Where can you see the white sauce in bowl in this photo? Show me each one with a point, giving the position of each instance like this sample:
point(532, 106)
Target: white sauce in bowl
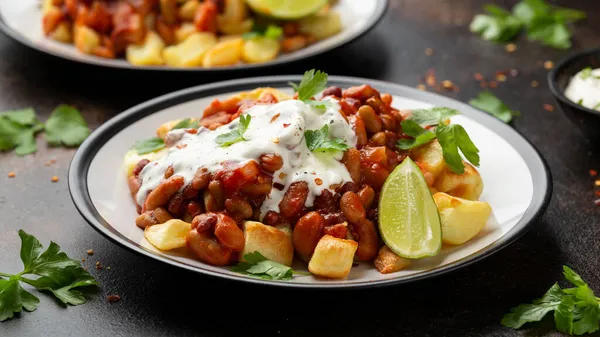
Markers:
point(266, 133)
point(584, 88)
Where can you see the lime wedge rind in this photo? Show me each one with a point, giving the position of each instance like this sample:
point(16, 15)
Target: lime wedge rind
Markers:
point(409, 221)
point(286, 9)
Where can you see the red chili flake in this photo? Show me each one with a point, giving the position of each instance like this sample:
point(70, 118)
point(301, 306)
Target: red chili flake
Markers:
point(50, 162)
point(501, 77)
point(534, 84)
point(11, 174)
point(285, 125)
point(548, 65)
point(597, 193)
point(428, 51)
point(274, 118)
point(493, 84)
point(430, 78)
point(113, 298)
point(511, 47)
point(90, 252)
point(548, 107)
point(478, 76)
point(98, 265)
point(597, 183)
point(181, 146)
point(597, 202)
point(54, 179)
point(318, 181)
point(448, 85)
point(421, 87)
point(593, 173)
point(191, 131)
point(282, 175)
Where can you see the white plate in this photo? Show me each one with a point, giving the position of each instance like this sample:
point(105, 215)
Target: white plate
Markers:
point(22, 20)
point(517, 182)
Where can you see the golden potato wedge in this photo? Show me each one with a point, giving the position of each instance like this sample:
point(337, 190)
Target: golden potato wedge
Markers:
point(321, 26)
point(430, 159)
point(86, 39)
point(62, 33)
point(48, 5)
point(273, 243)
point(169, 235)
point(388, 262)
point(260, 49)
point(184, 31)
point(259, 92)
point(224, 53)
point(148, 53)
point(234, 11)
point(190, 52)
point(234, 27)
point(333, 257)
point(468, 185)
point(187, 11)
point(131, 159)
point(461, 219)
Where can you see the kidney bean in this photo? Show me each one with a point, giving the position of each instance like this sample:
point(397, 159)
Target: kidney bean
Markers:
point(140, 166)
point(352, 207)
point(351, 160)
point(333, 91)
point(201, 179)
point(326, 202)
point(210, 203)
point(307, 233)
point(239, 207)
point(388, 122)
point(272, 218)
point(176, 204)
point(161, 215)
point(134, 186)
point(359, 129)
point(229, 234)
point(366, 195)
point(333, 218)
point(194, 208)
point(271, 162)
point(293, 200)
point(368, 243)
point(207, 249)
point(169, 172)
point(378, 139)
point(370, 118)
point(387, 99)
point(145, 220)
point(339, 231)
point(361, 93)
point(163, 192)
point(205, 222)
point(215, 187)
point(377, 104)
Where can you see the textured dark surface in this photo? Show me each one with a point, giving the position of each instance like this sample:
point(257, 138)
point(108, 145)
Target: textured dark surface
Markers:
point(159, 300)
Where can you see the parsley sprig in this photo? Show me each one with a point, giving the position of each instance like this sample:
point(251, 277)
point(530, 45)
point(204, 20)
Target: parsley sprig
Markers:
point(576, 309)
point(236, 135)
point(491, 104)
point(312, 83)
point(319, 141)
point(57, 274)
point(154, 143)
point(259, 266)
point(543, 22)
point(273, 32)
point(453, 138)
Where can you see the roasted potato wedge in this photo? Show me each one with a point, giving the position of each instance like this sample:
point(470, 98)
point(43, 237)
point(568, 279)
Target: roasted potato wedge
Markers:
point(234, 27)
point(461, 219)
point(333, 257)
point(168, 235)
point(260, 50)
point(86, 39)
point(184, 31)
point(148, 53)
point(273, 243)
point(187, 11)
point(389, 262)
point(430, 159)
point(224, 53)
point(62, 33)
point(190, 52)
point(468, 185)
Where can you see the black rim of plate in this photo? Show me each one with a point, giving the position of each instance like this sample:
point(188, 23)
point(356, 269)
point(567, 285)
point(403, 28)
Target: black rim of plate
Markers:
point(380, 10)
point(78, 171)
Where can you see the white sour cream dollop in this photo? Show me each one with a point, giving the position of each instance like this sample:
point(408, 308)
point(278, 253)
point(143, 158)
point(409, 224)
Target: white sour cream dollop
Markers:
point(276, 128)
point(584, 88)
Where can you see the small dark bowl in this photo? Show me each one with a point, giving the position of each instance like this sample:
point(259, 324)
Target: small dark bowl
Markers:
point(587, 120)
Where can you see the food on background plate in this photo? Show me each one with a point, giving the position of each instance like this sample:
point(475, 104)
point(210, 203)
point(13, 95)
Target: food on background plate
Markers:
point(584, 88)
point(189, 33)
point(330, 176)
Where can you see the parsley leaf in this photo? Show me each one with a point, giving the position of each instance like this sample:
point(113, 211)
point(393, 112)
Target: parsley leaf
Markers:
point(491, 104)
point(576, 310)
point(56, 272)
point(312, 83)
point(273, 32)
point(319, 141)
point(149, 145)
point(419, 134)
point(66, 126)
point(259, 266)
point(498, 25)
point(433, 116)
point(187, 123)
point(235, 136)
point(585, 73)
point(452, 138)
point(17, 131)
point(23, 117)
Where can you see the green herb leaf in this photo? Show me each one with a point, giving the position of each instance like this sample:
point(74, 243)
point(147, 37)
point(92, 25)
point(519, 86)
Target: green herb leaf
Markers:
point(313, 82)
point(17, 131)
point(187, 123)
point(149, 145)
point(588, 323)
point(250, 35)
point(66, 126)
point(419, 134)
point(237, 135)
point(259, 266)
point(273, 32)
point(535, 312)
point(573, 277)
point(13, 299)
point(585, 73)
point(56, 273)
point(433, 116)
point(498, 25)
point(452, 138)
point(319, 141)
point(23, 116)
point(563, 315)
point(491, 104)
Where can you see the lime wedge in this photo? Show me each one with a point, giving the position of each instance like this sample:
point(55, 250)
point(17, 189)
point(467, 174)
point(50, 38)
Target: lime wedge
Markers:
point(409, 221)
point(286, 9)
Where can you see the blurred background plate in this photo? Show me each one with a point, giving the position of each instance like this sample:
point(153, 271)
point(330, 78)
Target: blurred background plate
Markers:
point(22, 21)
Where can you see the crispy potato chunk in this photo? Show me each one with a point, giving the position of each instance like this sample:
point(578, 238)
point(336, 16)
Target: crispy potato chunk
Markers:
point(190, 53)
point(461, 219)
point(184, 31)
point(388, 262)
point(131, 159)
point(86, 39)
point(430, 159)
point(333, 257)
point(273, 243)
point(62, 33)
point(260, 50)
point(224, 53)
point(321, 26)
point(468, 185)
point(234, 27)
point(169, 235)
point(187, 11)
point(147, 54)
point(48, 5)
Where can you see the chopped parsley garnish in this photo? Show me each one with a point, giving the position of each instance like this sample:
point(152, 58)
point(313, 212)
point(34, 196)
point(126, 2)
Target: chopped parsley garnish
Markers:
point(187, 123)
point(319, 141)
point(237, 135)
point(273, 32)
point(576, 309)
point(57, 275)
point(149, 145)
point(497, 25)
point(312, 83)
point(586, 73)
point(491, 104)
point(259, 266)
point(452, 137)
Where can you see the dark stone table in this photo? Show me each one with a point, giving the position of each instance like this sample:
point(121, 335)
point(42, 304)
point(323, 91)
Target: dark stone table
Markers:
point(160, 300)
